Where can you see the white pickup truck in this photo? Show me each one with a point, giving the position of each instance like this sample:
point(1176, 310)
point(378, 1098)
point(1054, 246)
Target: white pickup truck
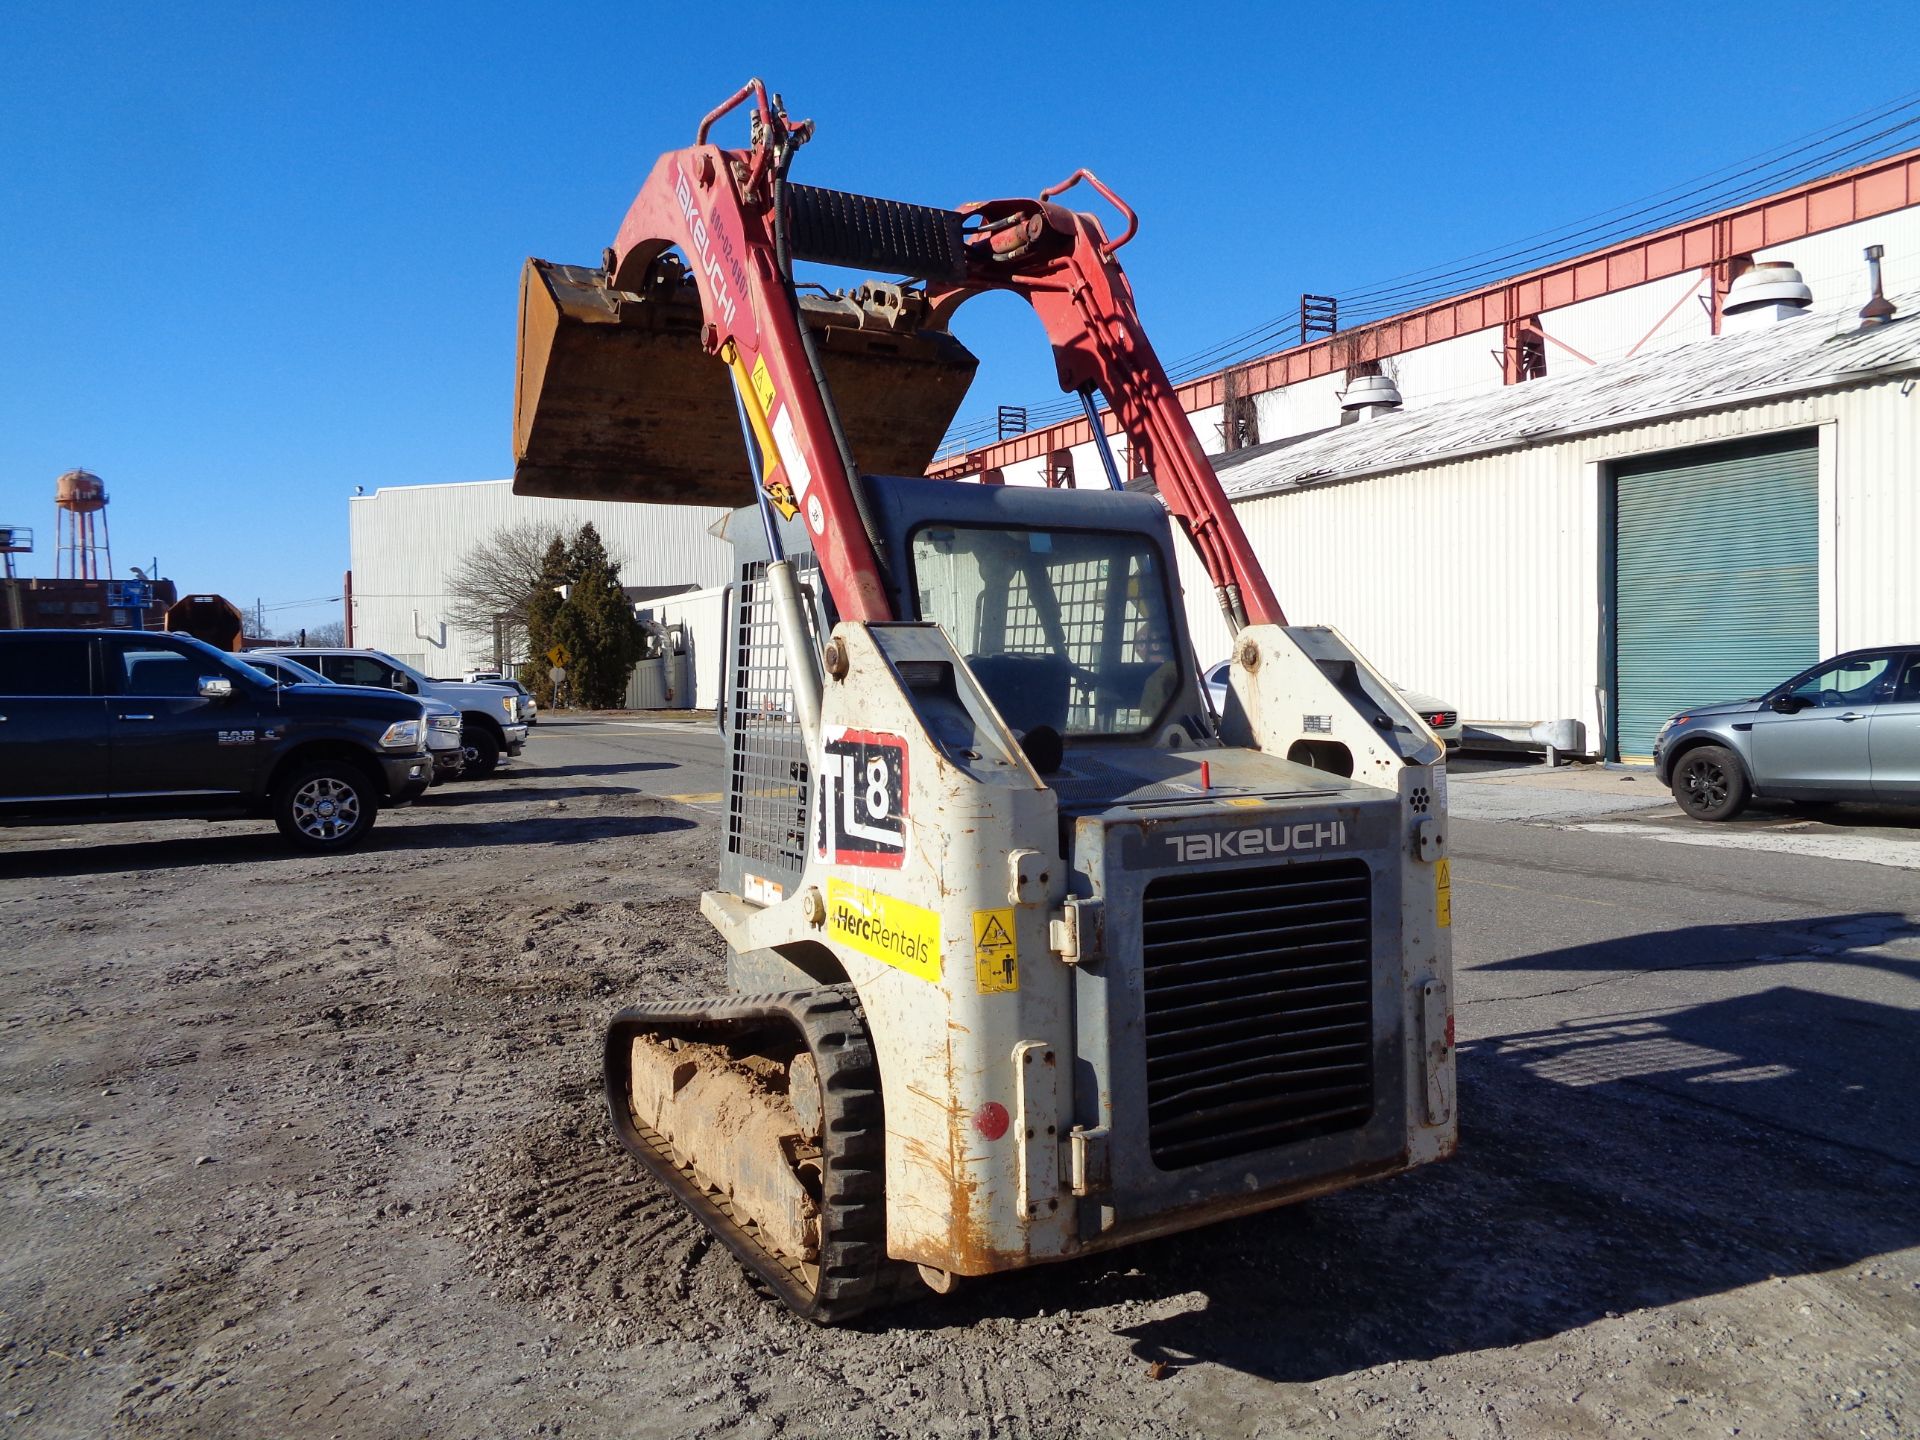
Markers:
point(510, 682)
point(493, 721)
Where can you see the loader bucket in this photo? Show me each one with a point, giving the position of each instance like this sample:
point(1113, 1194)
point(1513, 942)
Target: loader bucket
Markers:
point(616, 399)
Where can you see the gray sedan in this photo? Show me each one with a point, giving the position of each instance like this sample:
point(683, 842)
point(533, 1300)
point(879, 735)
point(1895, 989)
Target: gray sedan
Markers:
point(1848, 729)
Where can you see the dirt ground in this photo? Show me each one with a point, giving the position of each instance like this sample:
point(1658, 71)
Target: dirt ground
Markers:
point(316, 1147)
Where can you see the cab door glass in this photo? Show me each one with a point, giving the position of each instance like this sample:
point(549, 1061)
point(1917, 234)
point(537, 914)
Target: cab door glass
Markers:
point(1065, 628)
point(1906, 690)
point(159, 673)
point(44, 667)
point(357, 670)
point(1859, 681)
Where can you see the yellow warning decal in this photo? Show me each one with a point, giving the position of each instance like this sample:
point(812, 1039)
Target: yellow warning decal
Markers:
point(996, 961)
point(889, 929)
point(763, 384)
point(1443, 892)
point(1245, 802)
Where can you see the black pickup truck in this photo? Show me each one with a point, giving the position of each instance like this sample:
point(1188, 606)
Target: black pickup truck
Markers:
point(119, 725)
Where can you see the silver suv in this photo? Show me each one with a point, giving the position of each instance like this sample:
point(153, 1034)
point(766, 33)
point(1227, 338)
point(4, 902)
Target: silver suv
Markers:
point(1848, 729)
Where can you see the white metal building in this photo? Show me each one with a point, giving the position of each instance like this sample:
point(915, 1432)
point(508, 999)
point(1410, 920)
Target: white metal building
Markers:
point(1614, 543)
point(1603, 494)
point(405, 541)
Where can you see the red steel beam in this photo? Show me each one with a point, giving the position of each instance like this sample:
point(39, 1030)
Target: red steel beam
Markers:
point(1825, 204)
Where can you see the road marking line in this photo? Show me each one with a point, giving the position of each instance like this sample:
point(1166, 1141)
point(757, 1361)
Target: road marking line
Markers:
point(1898, 854)
point(705, 797)
point(693, 726)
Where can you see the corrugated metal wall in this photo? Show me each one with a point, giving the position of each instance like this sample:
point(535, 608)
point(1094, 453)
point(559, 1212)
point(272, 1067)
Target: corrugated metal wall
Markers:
point(405, 541)
point(1479, 581)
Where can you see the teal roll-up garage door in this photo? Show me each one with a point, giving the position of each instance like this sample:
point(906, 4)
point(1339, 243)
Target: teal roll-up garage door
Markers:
point(1716, 559)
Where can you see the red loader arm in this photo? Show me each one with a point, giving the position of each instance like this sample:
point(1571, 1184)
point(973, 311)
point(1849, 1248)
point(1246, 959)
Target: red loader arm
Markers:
point(740, 225)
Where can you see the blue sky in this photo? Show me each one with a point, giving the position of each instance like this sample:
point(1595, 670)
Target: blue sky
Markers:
point(257, 255)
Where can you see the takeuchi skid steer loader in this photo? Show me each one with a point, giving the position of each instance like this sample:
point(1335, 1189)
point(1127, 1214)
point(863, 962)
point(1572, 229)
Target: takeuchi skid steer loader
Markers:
point(1033, 956)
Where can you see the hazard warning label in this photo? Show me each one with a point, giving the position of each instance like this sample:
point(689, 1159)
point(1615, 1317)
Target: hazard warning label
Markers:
point(995, 962)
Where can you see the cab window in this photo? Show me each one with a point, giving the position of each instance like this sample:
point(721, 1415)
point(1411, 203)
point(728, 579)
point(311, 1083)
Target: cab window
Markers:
point(1066, 628)
point(1907, 689)
point(136, 668)
point(44, 666)
point(1858, 681)
point(357, 670)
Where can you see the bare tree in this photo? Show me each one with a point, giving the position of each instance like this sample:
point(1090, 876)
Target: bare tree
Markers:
point(490, 587)
point(332, 633)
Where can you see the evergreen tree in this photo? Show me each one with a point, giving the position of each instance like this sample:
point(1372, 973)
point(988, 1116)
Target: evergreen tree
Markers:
point(543, 606)
point(596, 625)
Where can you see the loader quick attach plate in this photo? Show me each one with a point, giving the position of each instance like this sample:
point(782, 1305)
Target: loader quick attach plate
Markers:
point(852, 1272)
point(617, 399)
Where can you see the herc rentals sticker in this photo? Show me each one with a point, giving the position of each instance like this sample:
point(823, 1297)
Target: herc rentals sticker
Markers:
point(889, 929)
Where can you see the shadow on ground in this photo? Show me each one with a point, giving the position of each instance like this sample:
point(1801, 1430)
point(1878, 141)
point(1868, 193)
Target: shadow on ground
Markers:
point(486, 792)
point(623, 767)
point(260, 843)
point(1638, 1161)
point(1772, 814)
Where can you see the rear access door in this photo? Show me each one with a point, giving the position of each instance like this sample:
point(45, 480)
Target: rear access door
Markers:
point(53, 723)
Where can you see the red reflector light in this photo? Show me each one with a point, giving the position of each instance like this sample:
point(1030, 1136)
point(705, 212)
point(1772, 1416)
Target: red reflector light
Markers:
point(1449, 1030)
point(991, 1119)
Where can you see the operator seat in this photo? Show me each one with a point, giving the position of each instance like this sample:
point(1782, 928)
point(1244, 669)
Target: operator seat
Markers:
point(1028, 690)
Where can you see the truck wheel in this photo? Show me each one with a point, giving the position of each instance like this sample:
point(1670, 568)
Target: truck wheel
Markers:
point(325, 806)
point(482, 752)
point(1709, 783)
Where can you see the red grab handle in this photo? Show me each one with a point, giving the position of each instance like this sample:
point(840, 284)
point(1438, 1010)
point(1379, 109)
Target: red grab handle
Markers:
point(1133, 221)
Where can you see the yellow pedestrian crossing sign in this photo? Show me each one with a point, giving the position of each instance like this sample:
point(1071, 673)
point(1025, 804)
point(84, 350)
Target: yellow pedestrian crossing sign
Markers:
point(559, 656)
point(996, 961)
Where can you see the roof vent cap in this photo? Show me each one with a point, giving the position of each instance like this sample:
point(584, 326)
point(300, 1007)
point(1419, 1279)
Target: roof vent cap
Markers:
point(1371, 395)
point(1772, 290)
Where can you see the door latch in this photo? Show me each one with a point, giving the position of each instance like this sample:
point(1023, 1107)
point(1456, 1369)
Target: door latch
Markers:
point(1074, 934)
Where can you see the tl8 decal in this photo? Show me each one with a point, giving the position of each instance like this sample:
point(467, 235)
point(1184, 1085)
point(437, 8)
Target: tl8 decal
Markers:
point(860, 804)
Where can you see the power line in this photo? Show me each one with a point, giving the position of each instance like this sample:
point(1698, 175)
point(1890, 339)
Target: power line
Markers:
point(1650, 218)
point(1681, 192)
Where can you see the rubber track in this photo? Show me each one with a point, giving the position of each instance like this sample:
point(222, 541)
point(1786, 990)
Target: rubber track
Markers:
point(854, 1273)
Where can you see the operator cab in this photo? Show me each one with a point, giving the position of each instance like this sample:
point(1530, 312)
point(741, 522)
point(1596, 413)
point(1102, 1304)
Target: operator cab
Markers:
point(1063, 604)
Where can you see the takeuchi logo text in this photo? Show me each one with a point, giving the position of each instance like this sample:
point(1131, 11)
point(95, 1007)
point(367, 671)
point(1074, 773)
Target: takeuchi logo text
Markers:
point(709, 263)
point(1259, 840)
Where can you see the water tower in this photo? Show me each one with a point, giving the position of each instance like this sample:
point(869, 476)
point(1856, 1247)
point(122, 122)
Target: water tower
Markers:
point(80, 495)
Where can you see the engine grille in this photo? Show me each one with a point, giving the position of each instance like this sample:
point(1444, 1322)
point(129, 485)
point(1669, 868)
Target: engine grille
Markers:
point(1443, 719)
point(1259, 1008)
